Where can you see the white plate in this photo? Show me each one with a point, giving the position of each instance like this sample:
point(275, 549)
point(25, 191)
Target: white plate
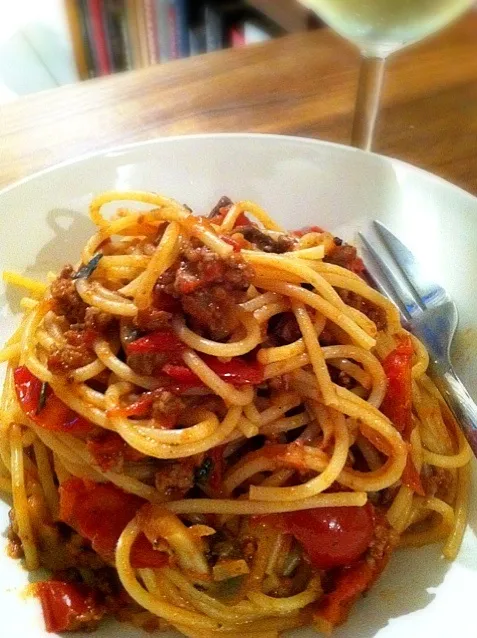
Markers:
point(300, 182)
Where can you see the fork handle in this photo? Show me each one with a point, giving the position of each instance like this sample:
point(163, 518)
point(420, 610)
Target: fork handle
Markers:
point(460, 403)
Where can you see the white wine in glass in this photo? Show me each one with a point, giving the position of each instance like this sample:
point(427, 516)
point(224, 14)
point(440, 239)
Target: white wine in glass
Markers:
point(378, 28)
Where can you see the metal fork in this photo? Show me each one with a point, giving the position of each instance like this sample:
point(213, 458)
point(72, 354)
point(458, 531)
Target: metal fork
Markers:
point(430, 314)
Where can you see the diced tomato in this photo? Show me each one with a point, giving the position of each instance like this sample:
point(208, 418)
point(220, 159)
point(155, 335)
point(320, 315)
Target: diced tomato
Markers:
point(67, 606)
point(243, 220)
point(109, 450)
point(307, 229)
point(357, 266)
point(100, 512)
point(144, 555)
point(237, 245)
point(397, 403)
point(159, 341)
point(54, 414)
point(236, 371)
point(331, 536)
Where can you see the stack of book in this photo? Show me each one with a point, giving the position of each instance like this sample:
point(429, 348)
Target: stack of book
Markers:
point(117, 35)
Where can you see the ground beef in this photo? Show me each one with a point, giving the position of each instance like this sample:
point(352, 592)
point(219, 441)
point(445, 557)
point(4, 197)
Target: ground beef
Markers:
point(174, 480)
point(151, 319)
point(14, 547)
point(77, 352)
point(97, 320)
point(148, 363)
point(283, 329)
point(342, 255)
point(263, 241)
point(66, 301)
point(383, 543)
point(68, 358)
point(377, 314)
point(167, 404)
point(208, 287)
point(341, 378)
point(224, 202)
point(435, 480)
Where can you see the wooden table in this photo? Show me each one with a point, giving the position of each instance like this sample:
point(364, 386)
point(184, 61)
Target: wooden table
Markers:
point(301, 84)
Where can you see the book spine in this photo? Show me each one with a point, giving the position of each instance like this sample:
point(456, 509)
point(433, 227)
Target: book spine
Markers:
point(236, 36)
point(73, 15)
point(182, 28)
point(172, 28)
point(151, 31)
point(213, 28)
point(98, 33)
point(142, 32)
point(87, 38)
point(114, 16)
point(133, 34)
point(124, 36)
point(162, 22)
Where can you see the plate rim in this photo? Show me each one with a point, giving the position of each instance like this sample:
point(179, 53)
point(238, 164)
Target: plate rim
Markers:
point(275, 137)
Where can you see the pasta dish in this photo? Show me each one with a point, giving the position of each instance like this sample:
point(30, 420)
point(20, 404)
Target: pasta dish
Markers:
point(214, 425)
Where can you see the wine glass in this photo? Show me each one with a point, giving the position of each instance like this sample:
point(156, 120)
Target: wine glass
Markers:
point(379, 28)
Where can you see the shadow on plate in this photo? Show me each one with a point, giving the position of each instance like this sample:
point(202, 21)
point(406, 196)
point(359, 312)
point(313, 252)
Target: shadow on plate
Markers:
point(71, 230)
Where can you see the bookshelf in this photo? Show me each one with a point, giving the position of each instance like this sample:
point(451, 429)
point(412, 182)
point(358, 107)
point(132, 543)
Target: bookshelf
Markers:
point(288, 14)
point(110, 36)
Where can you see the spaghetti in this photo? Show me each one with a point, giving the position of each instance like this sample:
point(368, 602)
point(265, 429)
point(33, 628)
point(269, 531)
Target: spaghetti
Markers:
point(215, 425)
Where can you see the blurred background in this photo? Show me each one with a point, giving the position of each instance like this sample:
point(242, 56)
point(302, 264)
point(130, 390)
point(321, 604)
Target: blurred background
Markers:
point(49, 43)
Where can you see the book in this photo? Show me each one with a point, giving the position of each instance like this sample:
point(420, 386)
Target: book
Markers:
point(98, 37)
point(162, 29)
point(150, 21)
point(142, 32)
point(236, 36)
point(116, 34)
point(133, 34)
point(196, 28)
point(74, 18)
point(214, 39)
point(182, 27)
point(172, 29)
point(87, 37)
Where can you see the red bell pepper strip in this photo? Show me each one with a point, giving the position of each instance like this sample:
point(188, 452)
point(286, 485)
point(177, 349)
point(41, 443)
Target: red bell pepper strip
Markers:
point(67, 606)
point(54, 414)
point(397, 403)
point(236, 371)
point(159, 341)
point(100, 512)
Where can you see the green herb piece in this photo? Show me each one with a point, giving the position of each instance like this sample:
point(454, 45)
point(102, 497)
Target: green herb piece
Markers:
point(203, 472)
point(86, 271)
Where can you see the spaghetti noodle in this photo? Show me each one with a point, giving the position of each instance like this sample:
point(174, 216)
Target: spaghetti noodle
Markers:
point(215, 425)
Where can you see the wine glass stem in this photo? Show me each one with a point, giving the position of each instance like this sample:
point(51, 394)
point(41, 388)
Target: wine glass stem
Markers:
point(367, 101)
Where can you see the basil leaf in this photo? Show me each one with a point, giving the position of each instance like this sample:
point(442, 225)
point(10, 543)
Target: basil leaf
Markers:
point(85, 271)
point(203, 472)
